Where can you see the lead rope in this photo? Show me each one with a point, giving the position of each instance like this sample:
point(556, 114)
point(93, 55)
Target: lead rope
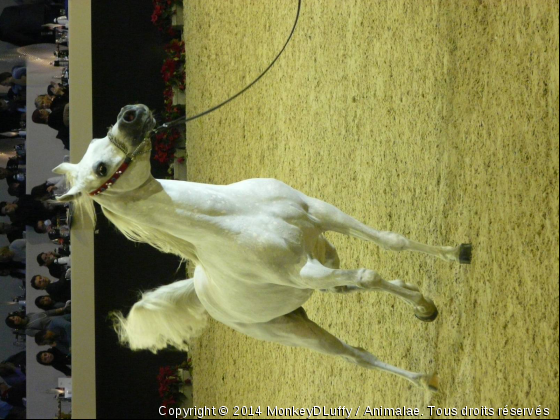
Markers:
point(208, 111)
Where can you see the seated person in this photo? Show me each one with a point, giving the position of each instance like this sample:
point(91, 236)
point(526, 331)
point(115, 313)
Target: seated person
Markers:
point(58, 334)
point(19, 360)
point(11, 374)
point(59, 290)
point(55, 358)
point(58, 119)
point(56, 262)
point(12, 232)
point(15, 180)
point(58, 97)
point(16, 79)
point(12, 175)
point(32, 323)
point(14, 252)
point(48, 189)
point(46, 303)
point(27, 211)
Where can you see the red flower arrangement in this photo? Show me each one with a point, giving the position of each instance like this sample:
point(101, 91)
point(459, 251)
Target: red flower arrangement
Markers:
point(173, 69)
point(161, 17)
point(165, 145)
point(169, 391)
point(169, 384)
point(173, 74)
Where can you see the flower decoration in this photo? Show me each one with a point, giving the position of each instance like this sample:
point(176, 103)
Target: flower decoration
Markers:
point(161, 17)
point(173, 74)
point(170, 383)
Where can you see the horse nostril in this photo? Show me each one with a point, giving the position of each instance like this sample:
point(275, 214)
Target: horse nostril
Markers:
point(129, 116)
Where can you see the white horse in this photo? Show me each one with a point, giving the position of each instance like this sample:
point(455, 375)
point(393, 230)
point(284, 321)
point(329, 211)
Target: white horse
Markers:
point(258, 246)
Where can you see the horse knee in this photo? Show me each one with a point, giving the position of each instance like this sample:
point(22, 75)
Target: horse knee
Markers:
point(394, 241)
point(369, 279)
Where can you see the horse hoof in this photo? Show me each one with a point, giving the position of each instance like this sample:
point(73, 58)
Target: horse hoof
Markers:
point(430, 318)
point(432, 383)
point(465, 253)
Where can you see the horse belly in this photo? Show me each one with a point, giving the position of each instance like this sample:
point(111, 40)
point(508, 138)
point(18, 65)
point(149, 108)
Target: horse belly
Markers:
point(231, 300)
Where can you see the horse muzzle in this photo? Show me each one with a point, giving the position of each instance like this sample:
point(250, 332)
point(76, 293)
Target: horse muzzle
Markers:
point(135, 121)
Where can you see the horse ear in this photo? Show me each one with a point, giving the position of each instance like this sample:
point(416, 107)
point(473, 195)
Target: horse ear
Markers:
point(65, 168)
point(71, 195)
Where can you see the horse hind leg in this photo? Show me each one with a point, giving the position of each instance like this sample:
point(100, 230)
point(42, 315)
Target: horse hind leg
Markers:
point(314, 275)
point(331, 218)
point(296, 330)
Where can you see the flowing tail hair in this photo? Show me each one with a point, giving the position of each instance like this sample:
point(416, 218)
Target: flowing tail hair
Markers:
point(170, 315)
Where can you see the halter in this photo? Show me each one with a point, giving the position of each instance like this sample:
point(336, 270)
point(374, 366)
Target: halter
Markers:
point(130, 157)
point(143, 148)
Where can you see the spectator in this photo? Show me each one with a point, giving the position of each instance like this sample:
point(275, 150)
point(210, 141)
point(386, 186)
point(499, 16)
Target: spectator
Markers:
point(12, 175)
point(57, 96)
point(32, 322)
point(46, 303)
point(49, 188)
point(17, 79)
point(58, 334)
point(14, 252)
point(56, 231)
point(15, 178)
point(56, 359)
point(58, 119)
point(59, 290)
point(19, 360)
point(56, 262)
point(12, 232)
point(11, 374)
point(27, 211)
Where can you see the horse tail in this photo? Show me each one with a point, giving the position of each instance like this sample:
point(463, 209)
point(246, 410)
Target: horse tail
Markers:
point(170, 315)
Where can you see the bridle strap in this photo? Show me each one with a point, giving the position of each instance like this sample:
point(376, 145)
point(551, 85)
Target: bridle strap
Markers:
point(129, 158)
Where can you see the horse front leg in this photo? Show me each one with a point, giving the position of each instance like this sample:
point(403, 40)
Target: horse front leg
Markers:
point(297, 330)
point(314, 275)
point(331, 218)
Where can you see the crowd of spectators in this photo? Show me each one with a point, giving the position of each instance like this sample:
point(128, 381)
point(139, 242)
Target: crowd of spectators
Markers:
point(47, 319)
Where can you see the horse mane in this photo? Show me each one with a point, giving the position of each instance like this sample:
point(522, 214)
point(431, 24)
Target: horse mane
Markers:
point(170, 315)
point(162, 241)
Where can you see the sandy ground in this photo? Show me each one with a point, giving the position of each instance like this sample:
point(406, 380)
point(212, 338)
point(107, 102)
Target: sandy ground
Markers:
point(435, 119)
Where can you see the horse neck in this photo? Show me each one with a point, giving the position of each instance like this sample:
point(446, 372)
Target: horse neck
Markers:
point(178, 208)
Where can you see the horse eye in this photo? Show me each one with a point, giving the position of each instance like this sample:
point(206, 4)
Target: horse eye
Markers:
point(101, 169)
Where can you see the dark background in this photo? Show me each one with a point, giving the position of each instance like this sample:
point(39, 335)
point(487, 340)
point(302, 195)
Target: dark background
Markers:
point(127, 57)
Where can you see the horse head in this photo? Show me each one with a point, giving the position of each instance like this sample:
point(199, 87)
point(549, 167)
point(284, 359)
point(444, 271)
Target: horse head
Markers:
point(106, 160)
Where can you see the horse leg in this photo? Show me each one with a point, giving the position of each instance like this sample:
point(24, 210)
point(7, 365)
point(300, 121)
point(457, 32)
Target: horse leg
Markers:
point(316, 276)
point(331, 218)
point(296, 330)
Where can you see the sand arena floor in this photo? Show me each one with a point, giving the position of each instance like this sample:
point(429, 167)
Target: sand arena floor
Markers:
point(435, 119)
